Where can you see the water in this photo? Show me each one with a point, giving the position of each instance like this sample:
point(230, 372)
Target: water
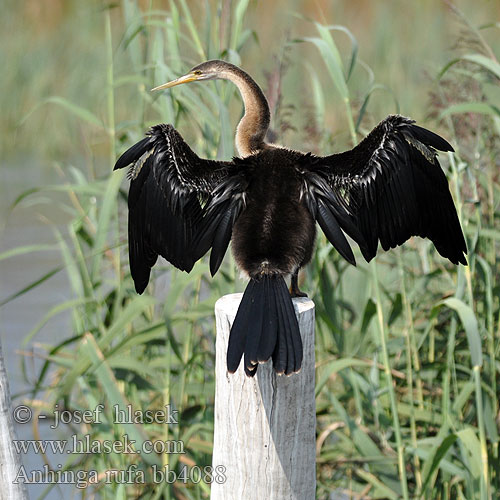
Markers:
point(26, 225)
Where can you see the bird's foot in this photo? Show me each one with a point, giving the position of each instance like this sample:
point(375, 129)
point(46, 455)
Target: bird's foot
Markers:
point(294, 286)
point(295, 292)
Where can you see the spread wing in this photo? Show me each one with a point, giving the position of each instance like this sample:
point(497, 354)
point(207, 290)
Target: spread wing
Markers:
point(388, 188)
point(169, 184)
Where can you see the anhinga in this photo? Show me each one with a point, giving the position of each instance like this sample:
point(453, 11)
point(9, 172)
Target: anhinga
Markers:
point(267, 202)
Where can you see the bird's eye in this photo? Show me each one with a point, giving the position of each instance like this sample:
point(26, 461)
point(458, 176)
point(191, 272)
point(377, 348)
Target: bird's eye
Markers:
point(197, 72)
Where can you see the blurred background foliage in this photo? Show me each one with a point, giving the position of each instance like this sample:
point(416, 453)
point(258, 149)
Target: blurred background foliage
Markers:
point(408, 348)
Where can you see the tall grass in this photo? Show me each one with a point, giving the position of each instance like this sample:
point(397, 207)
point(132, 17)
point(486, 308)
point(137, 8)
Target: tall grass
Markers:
point(408, 347)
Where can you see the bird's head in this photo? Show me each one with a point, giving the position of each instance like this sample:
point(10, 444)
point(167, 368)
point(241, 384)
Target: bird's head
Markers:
point(208, 70)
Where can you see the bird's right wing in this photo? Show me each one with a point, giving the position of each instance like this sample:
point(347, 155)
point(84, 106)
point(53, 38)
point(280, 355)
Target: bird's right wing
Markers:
point(169, 184)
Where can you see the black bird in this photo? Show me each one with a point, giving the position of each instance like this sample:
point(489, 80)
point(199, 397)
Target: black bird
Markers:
point(267, 202)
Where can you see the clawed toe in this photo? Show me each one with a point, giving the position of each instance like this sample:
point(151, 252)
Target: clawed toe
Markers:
point(297, 293)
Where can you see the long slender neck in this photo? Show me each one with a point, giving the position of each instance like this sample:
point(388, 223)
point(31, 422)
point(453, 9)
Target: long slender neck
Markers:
point(253, 126)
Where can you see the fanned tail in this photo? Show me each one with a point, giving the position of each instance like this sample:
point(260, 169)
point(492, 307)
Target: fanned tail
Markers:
point(265, 326)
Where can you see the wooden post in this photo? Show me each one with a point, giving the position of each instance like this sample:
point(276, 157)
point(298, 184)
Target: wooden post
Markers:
point(10, 462)
point(265, 426)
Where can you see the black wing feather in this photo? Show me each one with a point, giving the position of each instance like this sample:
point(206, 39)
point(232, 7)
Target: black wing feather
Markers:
point(168, 185)
point(221, 240)
point(223, 207)
point(331, 228)
point(134, 153)
point(390, 187)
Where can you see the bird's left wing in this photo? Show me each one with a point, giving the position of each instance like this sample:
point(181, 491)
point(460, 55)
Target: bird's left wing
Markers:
point(169, 184)
point(388, 188)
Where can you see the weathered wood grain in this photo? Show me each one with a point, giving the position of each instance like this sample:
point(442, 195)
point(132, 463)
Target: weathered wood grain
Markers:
point(10, 462)
point(264, 426)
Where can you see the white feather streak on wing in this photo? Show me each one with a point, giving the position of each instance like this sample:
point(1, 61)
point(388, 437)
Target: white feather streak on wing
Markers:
point(137, 166)
point(428, 154)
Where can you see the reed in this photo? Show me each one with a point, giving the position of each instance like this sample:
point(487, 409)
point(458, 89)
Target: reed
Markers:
point(408, 349)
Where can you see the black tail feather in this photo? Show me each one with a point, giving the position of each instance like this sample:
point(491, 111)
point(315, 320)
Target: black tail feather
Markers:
point(267, 342)
point(285, 344)
point(265, 326)
point(254, 331)
point(292, 337)
point(280, 352)
point(237, 336)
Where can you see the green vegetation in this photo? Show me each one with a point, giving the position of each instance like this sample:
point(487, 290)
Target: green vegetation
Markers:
point(408, 347)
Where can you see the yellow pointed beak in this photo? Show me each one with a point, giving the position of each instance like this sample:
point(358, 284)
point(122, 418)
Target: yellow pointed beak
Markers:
point(190, 77)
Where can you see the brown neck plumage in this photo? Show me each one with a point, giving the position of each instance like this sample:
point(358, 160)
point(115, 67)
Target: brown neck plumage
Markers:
point(253, 126)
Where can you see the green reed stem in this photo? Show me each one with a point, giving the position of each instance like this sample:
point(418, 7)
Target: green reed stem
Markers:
point(485, 487)
point(390, 384)
point(188, 349)
point(409, 334)
point(350, 121)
